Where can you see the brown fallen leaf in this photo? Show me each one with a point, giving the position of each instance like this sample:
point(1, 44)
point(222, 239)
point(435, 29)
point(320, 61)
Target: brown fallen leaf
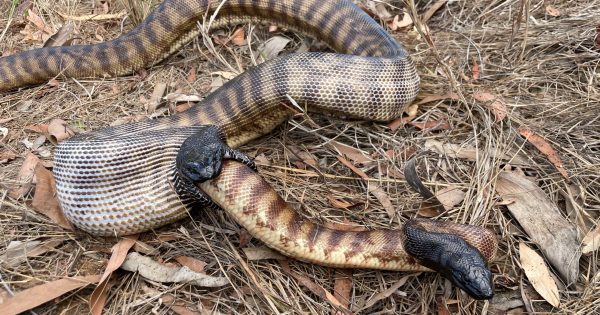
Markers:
point(155, 271)
point(431, 125)
point(493, 102)
point(591, 241)
point(18, 252)
point(546, 149)
point(44, 199)
point(273, 46)
point(373, 188)
point(238, 37)
point(7, 156)
point(39, 128)
point(25, 176)
point(432, 9)
point(262, 253)
point(552, 11)
point(469, 152)
point(38, 22)
point(38, 295)
point(396, 23)
point(100, 295)
point(450, 197)
point(119, 253)
point(543, 222)
point(354, 154)
point(62, 36)
point(342, 288)
point(58, 130)
point(538, 274)
point(386, 293)
point(313, 287)
point(339, 203)
point(245, 237)
point(475, 75)
point(179, 306)
point(194, 264)
point(156, 97)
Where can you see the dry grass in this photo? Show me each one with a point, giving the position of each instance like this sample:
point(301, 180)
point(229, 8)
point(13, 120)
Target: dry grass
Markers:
point(543, 66)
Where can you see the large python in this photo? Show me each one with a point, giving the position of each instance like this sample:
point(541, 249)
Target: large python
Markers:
point(123, 180)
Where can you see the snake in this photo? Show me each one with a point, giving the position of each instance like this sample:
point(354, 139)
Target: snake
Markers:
point(124, 179)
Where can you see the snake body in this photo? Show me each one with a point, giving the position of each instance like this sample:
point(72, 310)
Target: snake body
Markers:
point(120, 180)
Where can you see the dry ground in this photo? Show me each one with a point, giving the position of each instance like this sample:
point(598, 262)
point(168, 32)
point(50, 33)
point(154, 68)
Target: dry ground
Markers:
point(543, 66)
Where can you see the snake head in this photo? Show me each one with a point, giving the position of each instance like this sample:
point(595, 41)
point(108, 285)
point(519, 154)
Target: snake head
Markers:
point(470, 273)
point(201, 155)
point(451, 256)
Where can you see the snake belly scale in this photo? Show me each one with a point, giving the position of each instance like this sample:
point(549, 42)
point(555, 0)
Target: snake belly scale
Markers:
point(119, 180)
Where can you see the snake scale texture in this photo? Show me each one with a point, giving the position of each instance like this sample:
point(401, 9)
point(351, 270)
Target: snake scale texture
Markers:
point(120, 180)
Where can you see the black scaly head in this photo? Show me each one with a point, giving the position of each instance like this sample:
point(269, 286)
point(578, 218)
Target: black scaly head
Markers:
point(451, 256)
point(200, 158)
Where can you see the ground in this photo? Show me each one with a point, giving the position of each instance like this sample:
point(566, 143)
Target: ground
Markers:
point(491, 71)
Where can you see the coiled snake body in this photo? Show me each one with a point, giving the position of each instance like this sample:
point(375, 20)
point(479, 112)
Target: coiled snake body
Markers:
point(120, 180)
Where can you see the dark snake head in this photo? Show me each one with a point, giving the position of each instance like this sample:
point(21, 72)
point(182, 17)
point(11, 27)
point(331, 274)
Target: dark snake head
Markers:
point(468, 271)
point(451, 256)
point(201, 155)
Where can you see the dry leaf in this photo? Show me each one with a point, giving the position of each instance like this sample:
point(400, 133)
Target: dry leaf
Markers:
point(194, 264)
point(373, 188)
point(591, 242)
point(180, 97)
point(475, 75)
point(262, 253)
point(546, 149)
point(543, 222)
point(61, 37)
point(493, 102)
point(44, 199)
point(386, 293)
point(99, 296)
point(339, 203)
point(469, 152)
point(7, 156)
point(245, 237)
point(313, 287)
point(155, 99)
point(238, 37)
point(179, 306)
point(119, 253)
point(396, 23)
point(342, 287)
point(450, 197)
point(155, 271)
point(40, 128)
point(273, 46)
point(59, 131)
point(25, 176)
point(38, 295)
point(18, 252)
point(431, 125)
point(38, 22)
point(354, 154)
point(552, 11)
point(432, 9)
point(538, 274)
